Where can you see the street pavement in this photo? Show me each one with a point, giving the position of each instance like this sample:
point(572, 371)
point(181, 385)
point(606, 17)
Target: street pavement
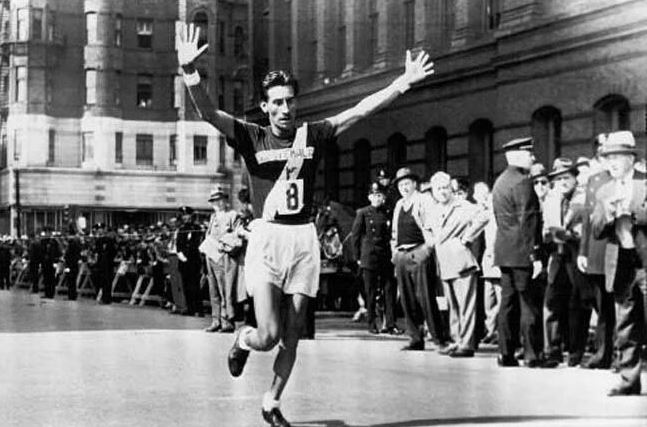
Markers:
point(81, 364)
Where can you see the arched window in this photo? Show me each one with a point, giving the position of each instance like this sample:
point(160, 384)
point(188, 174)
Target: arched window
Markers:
point(546, 133)
point(239, 40)
point(362, 170)
point(480, 150)
point(331, 170)
point(611, 113)
point(201, 21)
point(396, 152)
point(435, 150)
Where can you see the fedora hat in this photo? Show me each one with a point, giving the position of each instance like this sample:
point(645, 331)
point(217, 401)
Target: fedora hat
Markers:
point(537, 170)
point(621, 142)
point(217, 194)
point(562, 165)
point(404, 173)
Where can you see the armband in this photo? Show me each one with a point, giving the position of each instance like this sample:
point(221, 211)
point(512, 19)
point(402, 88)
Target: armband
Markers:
point(192, 79)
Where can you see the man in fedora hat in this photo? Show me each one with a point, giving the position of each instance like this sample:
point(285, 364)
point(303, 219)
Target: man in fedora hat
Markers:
point(517, 213)
point(590, 261)
point(222, 267)
point(569, 297)
point(282, 259)
point(371, 233)
point(620, 215)
point(412, 254)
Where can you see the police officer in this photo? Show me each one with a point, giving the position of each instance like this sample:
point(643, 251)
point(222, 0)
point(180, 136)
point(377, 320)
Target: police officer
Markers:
point(105, 250)
point(188, 241)
point(390, 192)
point(371, 234)
point(72, 258)
point(51, 255)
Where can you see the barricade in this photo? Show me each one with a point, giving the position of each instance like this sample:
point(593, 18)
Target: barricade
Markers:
point(145, 278)
point(84, 285)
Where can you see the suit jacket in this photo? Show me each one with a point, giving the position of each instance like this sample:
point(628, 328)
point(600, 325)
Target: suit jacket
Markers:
point(370, 237)
point(449, 224)
point(423, 205)
point(564, 255)
point(590, 247)
point(518, 219)
point(604, 228)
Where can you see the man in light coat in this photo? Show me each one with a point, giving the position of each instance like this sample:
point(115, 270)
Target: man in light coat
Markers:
point(455, 223)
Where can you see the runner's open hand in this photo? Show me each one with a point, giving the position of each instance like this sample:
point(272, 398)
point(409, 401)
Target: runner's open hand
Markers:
point(417, 69)
point(187, 46)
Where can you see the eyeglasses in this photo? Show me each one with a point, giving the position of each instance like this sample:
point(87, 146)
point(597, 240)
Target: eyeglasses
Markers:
point(540, 182)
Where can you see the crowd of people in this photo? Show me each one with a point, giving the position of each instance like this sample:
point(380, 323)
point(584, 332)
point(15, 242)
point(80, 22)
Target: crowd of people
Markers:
point(548, 247)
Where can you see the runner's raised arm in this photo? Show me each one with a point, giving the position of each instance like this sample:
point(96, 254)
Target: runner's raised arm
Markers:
point(415, 70)
point(187, 53)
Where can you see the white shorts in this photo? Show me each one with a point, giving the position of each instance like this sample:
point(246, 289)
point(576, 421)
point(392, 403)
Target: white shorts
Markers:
point(283, 255)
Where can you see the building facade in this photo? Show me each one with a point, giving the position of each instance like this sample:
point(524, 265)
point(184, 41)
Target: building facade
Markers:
point(94, 117)
point(560, 71)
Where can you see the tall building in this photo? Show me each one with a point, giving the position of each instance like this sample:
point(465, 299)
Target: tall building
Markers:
point(94, 117)
point(561, 71)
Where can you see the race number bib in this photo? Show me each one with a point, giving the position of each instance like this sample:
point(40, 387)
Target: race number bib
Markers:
point(292, 196)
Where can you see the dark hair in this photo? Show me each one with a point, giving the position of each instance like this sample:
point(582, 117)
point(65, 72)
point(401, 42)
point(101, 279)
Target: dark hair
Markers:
point(278, 78)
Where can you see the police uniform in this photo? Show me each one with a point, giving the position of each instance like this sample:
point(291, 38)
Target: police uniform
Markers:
point(518, 218)
point(105, 250)
point(371, 235)
point(188, 241)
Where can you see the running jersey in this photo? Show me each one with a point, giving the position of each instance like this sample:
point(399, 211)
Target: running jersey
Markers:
point(266, 155)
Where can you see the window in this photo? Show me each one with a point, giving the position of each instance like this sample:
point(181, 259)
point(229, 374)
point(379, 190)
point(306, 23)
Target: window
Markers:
point(22, 25)
point(117, 88)
point(611, 113)
point(199, 150)
point(221, 93)
point(409, 23)
point(17, 144)
point(144, 150)
point(546, 133)
point(331, 171)
point(118, 30)
point(91, 28)
point(49, 89)
point(222, 153)
point(90, 87)
point(374, 29)
point(37, 24)
point(436, 150)
point(396, 151)
point(362, 170)
point(21, 84)
point(239, 38)
point(51, 147)
point(172, 150)
point(3, 151)
point(201, 21)
point(119, 147)
point(144, 90)
point(178, 89)
point(145, 33)
point(492, 14)
point(88, 146)
point(51, 26)
point(480, 151)
point(221, 37)
point(5, 84)
point(341, 37)
point(238, 98)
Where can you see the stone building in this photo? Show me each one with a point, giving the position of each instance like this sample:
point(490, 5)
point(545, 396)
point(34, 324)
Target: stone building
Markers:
point(561, 71)
point(94, 118)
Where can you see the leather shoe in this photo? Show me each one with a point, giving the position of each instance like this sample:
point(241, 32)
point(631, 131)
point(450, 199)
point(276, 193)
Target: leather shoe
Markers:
point(574, 360)
point(393, 330)
point(447, 350)
point(214, 327)
point(227, 328)
point(550, 363)
point(633, 390)
point(237, 357)
point(414, 347)
point(373, 330)
point(462, 352)
point(507, 361)
point(534, 363)
point(595, 364)
point(275, 418)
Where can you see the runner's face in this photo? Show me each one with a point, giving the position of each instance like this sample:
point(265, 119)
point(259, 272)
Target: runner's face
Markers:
point(406, 187)
point(281, 107)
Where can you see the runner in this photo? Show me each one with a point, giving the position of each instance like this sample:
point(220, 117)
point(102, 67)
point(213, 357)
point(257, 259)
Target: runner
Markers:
point(282, 260)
